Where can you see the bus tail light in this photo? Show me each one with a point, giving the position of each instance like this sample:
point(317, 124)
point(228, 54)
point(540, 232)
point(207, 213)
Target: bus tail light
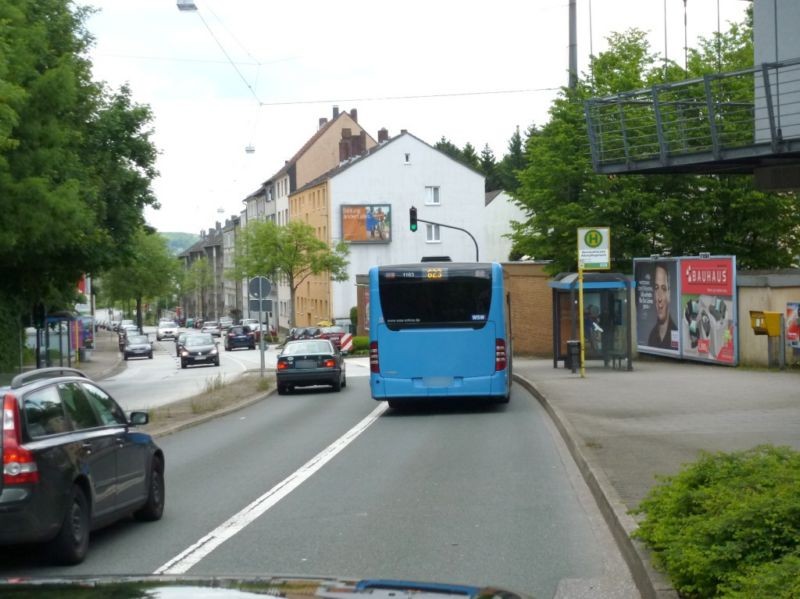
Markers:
point(19, 465)
point(374, 362)
point(500, 356)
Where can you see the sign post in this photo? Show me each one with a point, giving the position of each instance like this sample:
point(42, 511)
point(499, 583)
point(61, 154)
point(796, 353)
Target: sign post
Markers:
point(259, 287)
point(594, 253)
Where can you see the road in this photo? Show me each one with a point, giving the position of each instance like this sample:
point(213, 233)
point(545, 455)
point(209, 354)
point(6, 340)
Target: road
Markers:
point(168, 382)
point(467, 494)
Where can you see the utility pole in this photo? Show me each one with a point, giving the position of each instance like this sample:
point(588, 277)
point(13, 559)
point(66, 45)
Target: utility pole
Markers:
point(573, 45)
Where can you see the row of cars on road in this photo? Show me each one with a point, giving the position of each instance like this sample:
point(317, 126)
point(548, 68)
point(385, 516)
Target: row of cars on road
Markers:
point(333, 333)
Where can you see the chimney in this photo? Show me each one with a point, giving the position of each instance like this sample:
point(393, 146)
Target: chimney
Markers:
point(346, 133)
point(383, 134)
point(344, 150)
point(354, 114)
point(335, 111)
point(322, 121)
point(362, 142)
point(403, 131)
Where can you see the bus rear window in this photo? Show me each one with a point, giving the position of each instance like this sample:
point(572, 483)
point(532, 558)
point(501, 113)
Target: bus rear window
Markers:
point(449, 301)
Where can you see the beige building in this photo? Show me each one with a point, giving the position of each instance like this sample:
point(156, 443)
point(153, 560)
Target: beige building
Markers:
point(313, 299)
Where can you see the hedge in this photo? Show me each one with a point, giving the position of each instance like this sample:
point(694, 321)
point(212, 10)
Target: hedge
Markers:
point(728, 524)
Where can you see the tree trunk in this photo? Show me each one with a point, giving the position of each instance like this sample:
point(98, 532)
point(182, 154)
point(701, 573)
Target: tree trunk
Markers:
point(139, 313)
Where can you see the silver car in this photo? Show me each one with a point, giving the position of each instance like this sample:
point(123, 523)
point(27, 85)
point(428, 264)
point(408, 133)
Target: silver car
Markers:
point(167, 329)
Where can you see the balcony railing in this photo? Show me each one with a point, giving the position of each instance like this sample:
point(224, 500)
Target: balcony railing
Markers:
point(723, 122)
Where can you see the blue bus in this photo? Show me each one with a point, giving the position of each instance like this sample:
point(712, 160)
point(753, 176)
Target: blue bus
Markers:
point(439, 329)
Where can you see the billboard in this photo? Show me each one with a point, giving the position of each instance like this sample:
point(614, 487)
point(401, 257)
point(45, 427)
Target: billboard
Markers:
point(708, 323)
point(657, 306)
point(367, 223)
point(793, 324)
point(686, 307)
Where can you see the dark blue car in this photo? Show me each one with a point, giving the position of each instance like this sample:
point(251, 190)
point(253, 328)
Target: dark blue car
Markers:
point(72, 462)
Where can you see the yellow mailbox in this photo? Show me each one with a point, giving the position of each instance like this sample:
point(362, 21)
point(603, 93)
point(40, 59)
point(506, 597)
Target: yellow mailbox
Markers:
point(766, 323)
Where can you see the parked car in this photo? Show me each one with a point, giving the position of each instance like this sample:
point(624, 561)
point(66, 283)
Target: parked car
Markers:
point(334, 334)
point(137, 346)
point(310, 362)
point(73, 462)
point(166, 329)
point(199, 348)
point(179, 341)
point(211, 327)
point(239, 336)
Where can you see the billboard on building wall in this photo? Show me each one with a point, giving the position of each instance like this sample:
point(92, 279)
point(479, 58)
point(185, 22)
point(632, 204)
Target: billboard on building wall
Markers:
point(657, 306)
point(699, 296)
point(367, 223)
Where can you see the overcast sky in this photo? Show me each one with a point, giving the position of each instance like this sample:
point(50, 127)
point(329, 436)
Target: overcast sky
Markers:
point(413, 65)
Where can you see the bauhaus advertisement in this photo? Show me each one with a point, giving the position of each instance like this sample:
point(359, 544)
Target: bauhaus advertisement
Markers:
point(686, 307)
point(708, 302)
point(367, 223)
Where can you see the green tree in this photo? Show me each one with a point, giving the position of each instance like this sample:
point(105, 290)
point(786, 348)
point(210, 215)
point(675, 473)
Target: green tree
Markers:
point(292, 252)
point(151, 272)
point(512, 163)
point(469, 156)
point(488, 166)
point(76, 161)
point(448, 147)
point(675, 214)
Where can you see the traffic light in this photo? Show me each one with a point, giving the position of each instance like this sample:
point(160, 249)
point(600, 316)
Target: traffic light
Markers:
point(412, 213)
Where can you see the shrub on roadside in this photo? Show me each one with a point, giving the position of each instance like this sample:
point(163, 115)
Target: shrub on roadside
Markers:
point(779, 579)
point(727, 521)
point(360, 343)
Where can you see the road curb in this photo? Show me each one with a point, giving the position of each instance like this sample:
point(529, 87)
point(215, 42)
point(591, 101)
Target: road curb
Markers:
point(650, 583)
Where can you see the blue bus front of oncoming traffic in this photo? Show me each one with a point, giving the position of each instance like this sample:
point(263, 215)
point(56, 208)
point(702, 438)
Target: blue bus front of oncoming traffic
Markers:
point(439, 329)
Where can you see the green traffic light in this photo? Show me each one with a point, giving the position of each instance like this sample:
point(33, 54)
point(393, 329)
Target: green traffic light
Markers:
point(412, 215)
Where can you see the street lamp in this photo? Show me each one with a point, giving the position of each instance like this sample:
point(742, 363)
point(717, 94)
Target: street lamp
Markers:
point(186, 5)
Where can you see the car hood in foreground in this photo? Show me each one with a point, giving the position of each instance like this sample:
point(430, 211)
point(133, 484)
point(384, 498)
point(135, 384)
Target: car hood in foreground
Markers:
point(186, 587)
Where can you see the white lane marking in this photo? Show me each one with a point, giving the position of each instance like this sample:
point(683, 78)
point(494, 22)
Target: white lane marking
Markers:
point(182, 562)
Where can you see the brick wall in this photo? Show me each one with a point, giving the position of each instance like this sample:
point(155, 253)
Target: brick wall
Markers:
point(531, 308)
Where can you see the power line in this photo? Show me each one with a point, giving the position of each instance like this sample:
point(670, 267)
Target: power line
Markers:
point(413, 97)
point(230, 60)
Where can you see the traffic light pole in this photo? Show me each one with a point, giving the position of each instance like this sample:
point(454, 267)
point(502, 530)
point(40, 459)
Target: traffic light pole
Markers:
point(414, 219)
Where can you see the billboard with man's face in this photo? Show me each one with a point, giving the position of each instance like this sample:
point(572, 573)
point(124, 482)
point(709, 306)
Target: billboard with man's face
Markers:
point(367, 223)
point(657, 306)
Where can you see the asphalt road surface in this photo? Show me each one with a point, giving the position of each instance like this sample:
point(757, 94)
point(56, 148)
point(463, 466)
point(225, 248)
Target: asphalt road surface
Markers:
point(322, 483)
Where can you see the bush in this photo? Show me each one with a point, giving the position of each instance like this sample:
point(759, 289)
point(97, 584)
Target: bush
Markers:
point(360, 343)
point(726, 521)
point(778, 580)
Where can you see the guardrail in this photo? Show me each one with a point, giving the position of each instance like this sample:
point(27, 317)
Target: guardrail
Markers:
point(718, 117)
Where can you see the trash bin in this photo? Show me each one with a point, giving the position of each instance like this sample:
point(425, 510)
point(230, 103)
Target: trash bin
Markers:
point(573, 354)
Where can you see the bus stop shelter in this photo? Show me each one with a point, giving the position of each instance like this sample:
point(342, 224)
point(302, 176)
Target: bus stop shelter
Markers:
point(607, 301)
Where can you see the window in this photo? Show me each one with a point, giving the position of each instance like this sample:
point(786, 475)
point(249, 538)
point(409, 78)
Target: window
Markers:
point(408, 158)
point(110, 412)
point(44, 413)
point(432, 234)
point(77, 406)
point(432, 195)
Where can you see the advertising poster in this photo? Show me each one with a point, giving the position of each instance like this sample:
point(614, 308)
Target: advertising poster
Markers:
point(367, 223)
point(708, 309)
point(793, 324)
point(657, 320)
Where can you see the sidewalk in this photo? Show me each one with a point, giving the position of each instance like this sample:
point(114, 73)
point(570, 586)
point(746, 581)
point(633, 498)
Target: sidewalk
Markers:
point(106, 360)
point(623, 428)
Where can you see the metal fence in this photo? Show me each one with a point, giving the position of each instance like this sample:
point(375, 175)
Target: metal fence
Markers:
point(716, 117)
